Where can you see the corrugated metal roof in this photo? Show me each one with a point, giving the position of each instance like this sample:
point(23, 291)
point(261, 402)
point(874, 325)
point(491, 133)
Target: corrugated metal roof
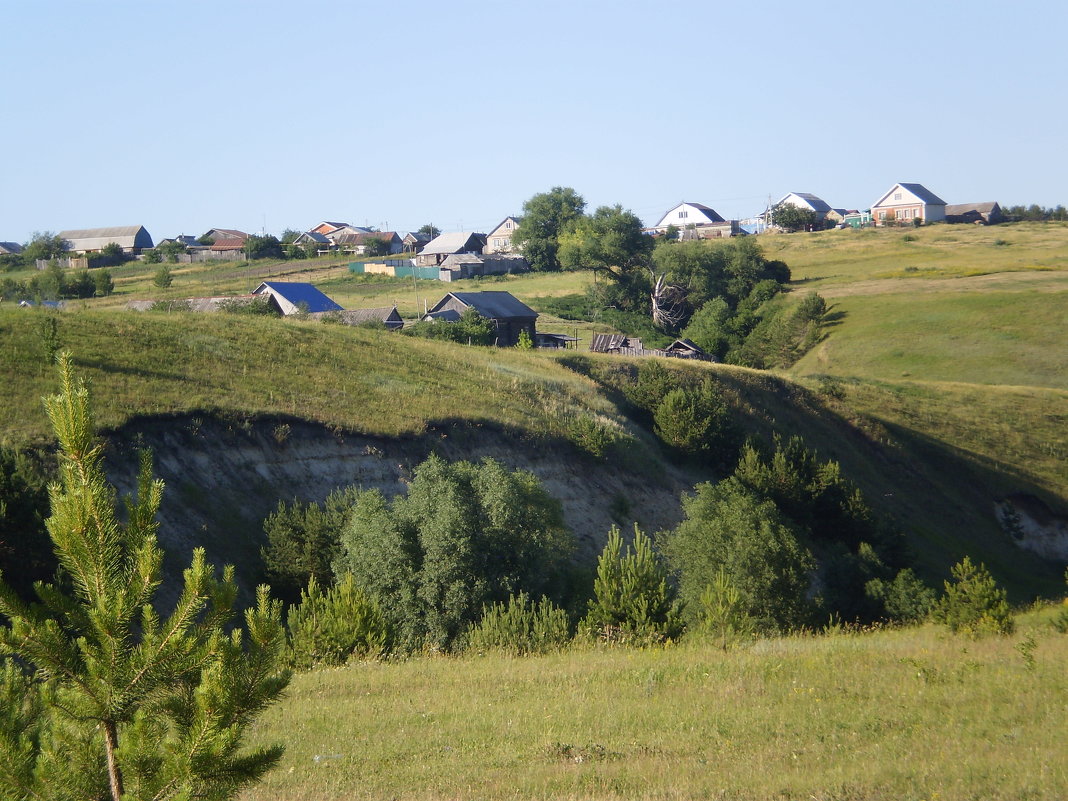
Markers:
point(126, 236)
point(455, 242)
point(494, 305)
point(298, 293)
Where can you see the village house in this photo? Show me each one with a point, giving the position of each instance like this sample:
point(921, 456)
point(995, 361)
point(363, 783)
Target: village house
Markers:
point(414, 241)
point(220, 234)
point(357, 242)
point(131, 238)
point(499, 240)
point(510, 316)
point(696, 221)
point(905, 203)
point(441, 247)
point(10, 248)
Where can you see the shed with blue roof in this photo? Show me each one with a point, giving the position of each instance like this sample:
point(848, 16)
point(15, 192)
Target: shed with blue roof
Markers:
point(293, 297)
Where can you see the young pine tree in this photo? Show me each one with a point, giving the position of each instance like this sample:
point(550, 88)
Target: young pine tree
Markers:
point(632, 599)
point(126, 703)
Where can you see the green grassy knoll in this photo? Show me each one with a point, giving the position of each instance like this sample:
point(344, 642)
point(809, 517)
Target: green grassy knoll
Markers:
point(830, 258)
point(1002, 337)
point(890, 715)
point(362, 380)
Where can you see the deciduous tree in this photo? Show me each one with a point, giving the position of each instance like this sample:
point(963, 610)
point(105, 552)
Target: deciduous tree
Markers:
point(545, 217)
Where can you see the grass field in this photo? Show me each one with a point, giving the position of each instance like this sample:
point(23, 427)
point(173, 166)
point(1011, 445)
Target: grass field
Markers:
point(896, 715)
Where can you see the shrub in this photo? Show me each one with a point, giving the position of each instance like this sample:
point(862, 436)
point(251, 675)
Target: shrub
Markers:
point(907, 598)
point(465, 536)
point(1060, 623)
point(697, 421)
point(722, 614)
point(333, 627)
point(973, 604)
point(163, 278)
point(520, 627)
point(633, 602)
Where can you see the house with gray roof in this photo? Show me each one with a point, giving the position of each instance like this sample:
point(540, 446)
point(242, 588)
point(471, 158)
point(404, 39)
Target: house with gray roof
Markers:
point(294, 297)
point(510, 316)
point(441, 247)
point(905, 203)
point(696, 221)
point(131, 238)
point(10, 248)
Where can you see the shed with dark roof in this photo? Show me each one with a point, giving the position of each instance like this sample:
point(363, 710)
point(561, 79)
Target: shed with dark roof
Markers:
point(510, 315)
point(294, 297)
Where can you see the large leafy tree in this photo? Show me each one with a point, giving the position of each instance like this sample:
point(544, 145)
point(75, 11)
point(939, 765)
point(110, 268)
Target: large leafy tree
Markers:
point(126, 703)
point(794, 218)
point(465, 535)
point(45, 245)
point(546, 216)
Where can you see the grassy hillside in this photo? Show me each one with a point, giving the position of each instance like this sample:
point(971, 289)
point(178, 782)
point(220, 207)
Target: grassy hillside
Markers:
point(906, 714)
point(941, 384)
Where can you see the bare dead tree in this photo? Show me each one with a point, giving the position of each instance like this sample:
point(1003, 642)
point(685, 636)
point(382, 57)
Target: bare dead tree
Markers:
point(669, 304)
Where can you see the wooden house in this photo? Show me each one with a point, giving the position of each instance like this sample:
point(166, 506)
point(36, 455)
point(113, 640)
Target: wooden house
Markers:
point(441, 247)
point(510, 316)
point(217, 234)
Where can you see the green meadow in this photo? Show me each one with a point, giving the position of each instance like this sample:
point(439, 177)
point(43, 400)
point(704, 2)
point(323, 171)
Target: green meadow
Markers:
point(901, 715)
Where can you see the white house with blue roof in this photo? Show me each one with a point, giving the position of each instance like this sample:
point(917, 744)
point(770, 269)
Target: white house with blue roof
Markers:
point(293, 297)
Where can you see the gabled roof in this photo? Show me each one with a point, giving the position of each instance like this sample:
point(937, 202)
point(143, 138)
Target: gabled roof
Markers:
point(361, 237)
point(710, 214)
point(456, 242)
point(227, 244)
point(127, 236)
point(298, 293)
point(311, 236)
point(225, 233)
point(815, 202)
point(387, 315)
point(919, 190)
point(492, 305)
point(958, 208)
point(515, 222)
point(10, 247)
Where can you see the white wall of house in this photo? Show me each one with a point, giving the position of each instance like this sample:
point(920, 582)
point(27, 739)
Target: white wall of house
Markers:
point(682, 215)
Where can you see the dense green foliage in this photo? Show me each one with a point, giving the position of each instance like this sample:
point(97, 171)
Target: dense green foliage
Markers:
point(730, 530)
point(303, 540)
point(465, 535)
point(797, 540)
point(973, 604)
point(547, 216)
point(520, 626)
point(471, 329)
point(633, 601)
point(123, 702)
point(794, 218)
point(333, 626)
point(25, 549)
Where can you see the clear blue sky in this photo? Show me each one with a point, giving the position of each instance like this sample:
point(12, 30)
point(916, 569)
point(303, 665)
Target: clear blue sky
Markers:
point(183, 116)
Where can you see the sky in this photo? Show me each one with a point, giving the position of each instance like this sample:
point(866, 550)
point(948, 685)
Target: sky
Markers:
point(263, 116)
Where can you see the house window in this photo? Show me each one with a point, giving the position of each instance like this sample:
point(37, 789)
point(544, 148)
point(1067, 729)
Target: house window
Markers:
point(508, 224)
point(683, 214)
point(882, 215)
point(897, 196)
